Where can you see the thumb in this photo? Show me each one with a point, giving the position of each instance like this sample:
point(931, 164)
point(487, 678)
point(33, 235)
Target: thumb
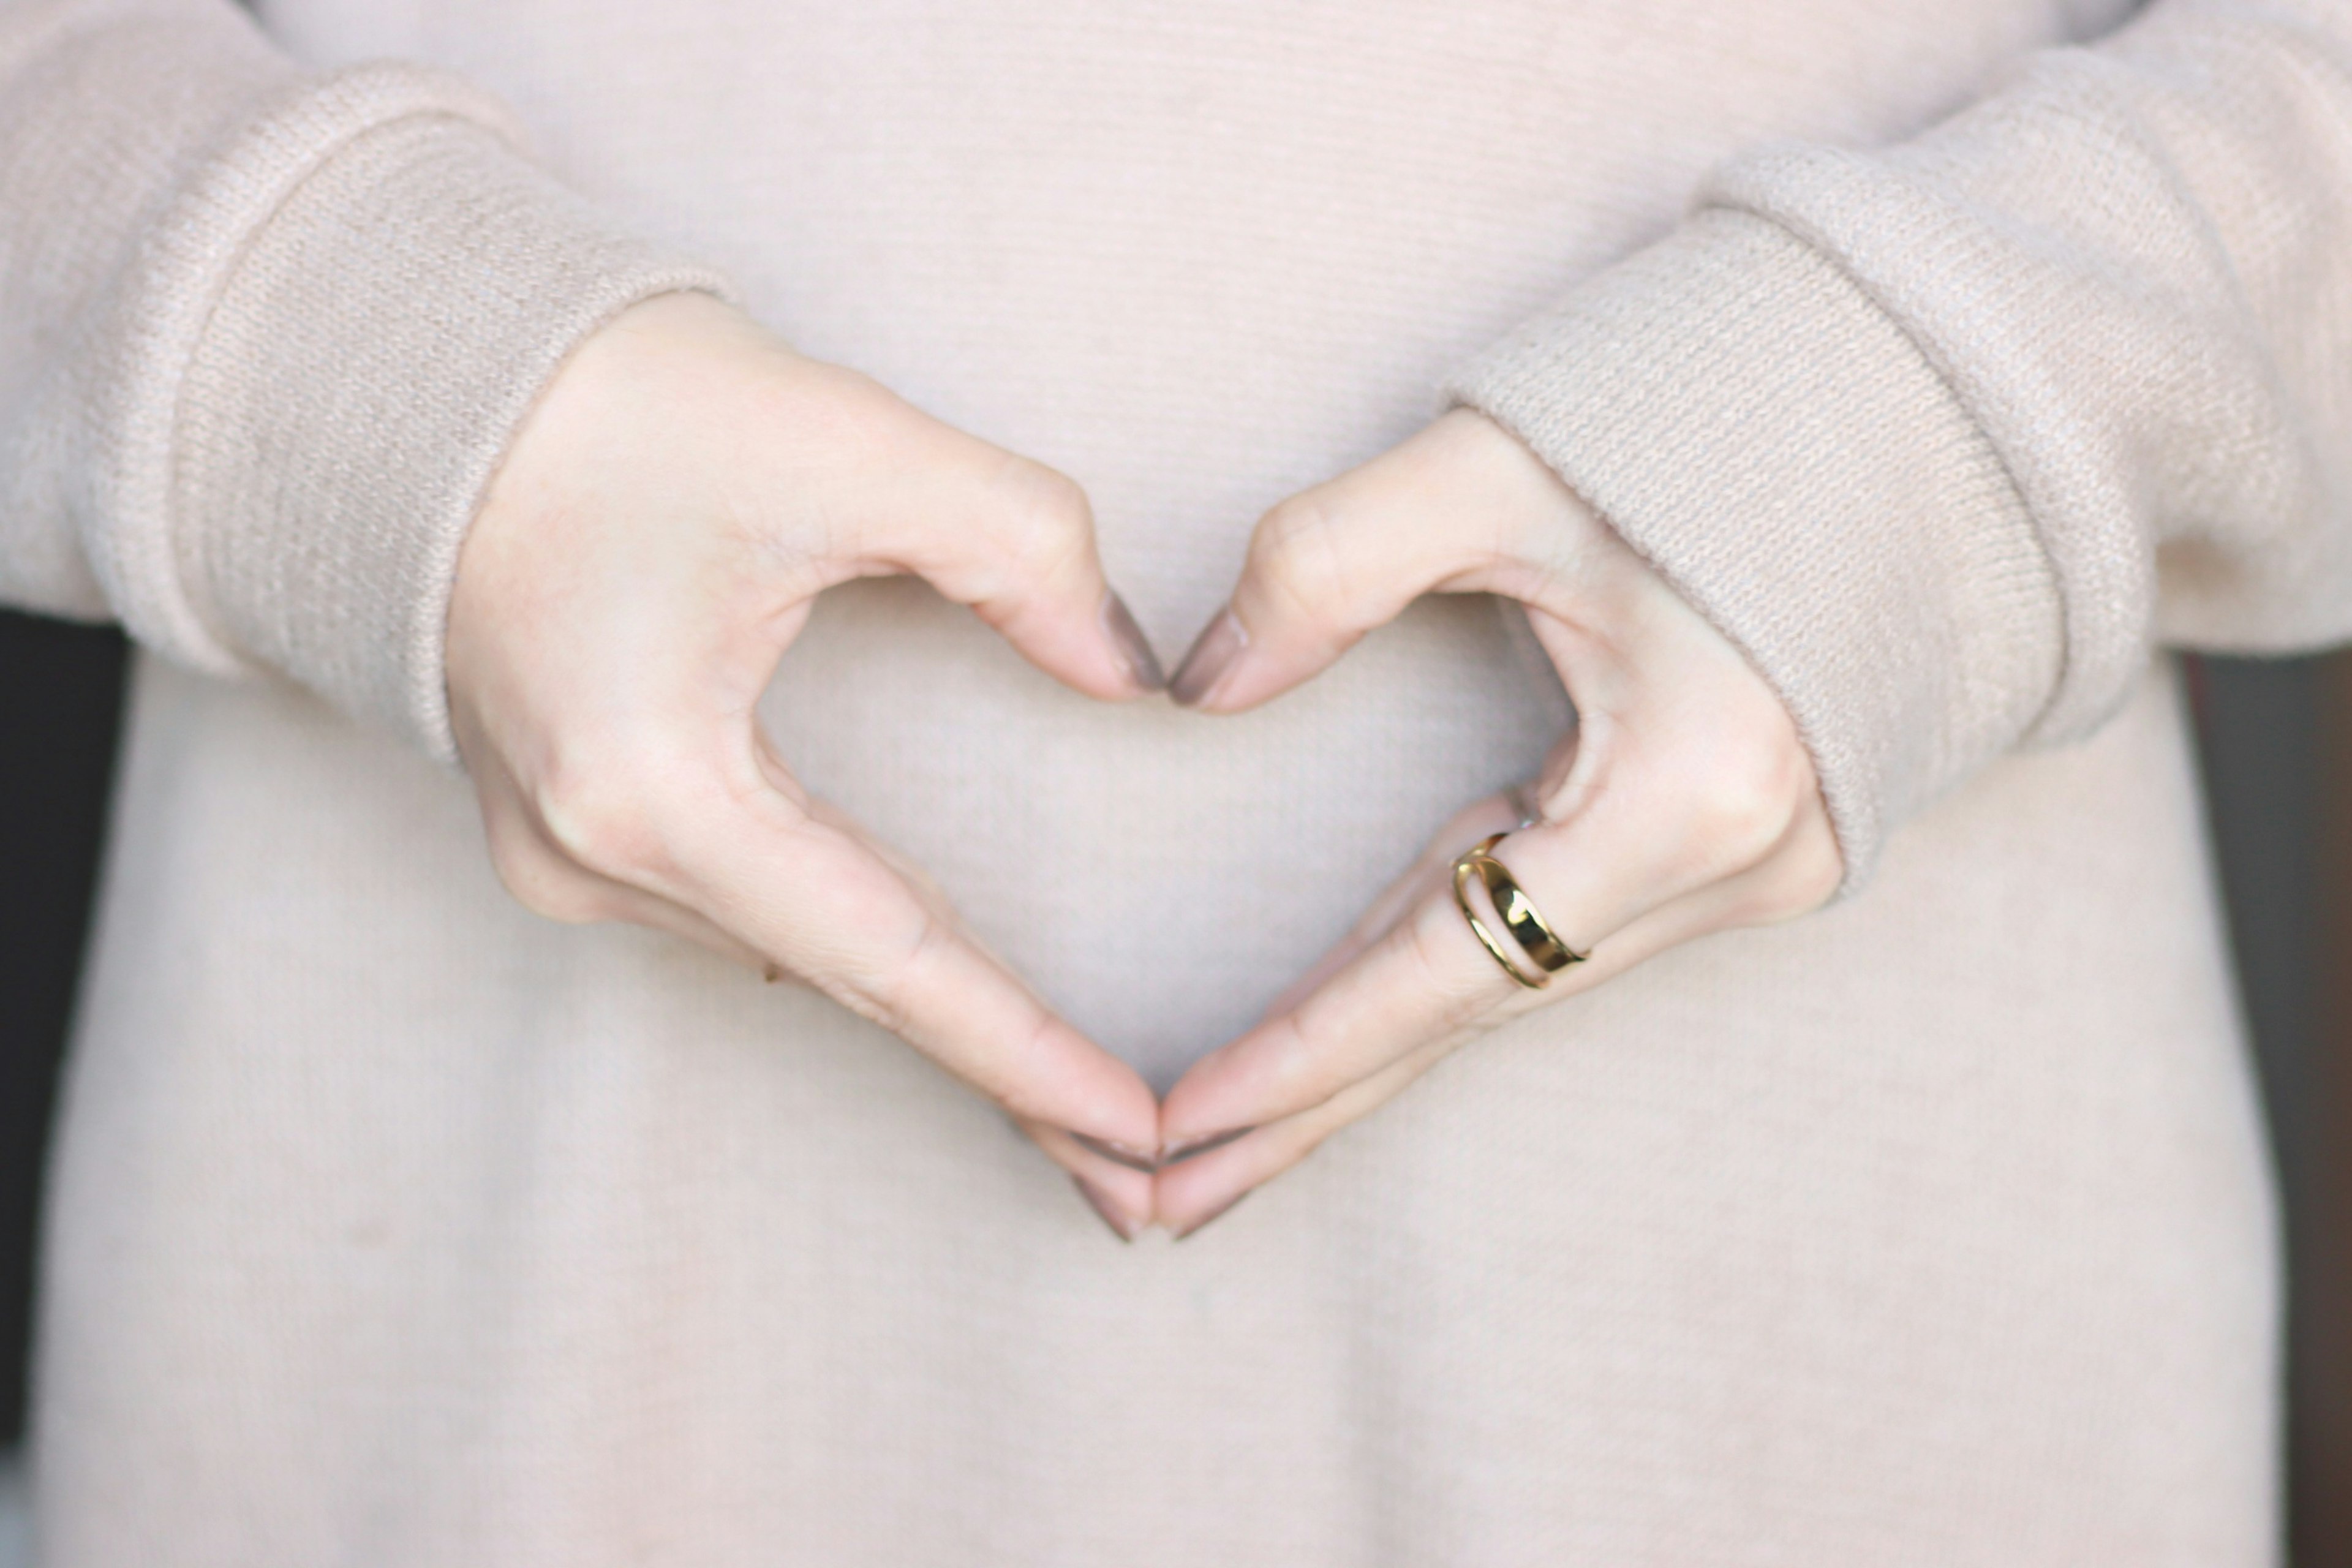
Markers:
point(1449, 511)
point(1015, 539)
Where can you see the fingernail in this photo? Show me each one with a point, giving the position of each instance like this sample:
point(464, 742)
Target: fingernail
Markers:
point(1219, 1212)
point(1122, 1224)
point(1184, 1149)
point(1143, 664)
point(1116, 1153)
point(1212, 654)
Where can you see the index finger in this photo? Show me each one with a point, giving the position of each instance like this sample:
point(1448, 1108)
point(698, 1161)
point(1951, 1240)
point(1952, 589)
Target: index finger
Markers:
point(815, 899)
point(1424, 981)
point(1427, 982)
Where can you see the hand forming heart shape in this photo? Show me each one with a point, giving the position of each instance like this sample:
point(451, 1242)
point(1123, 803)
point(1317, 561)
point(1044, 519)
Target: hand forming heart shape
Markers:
point(1683, 803)
point(687, 485)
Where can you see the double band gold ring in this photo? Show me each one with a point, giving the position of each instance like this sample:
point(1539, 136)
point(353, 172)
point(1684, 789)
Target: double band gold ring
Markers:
point(1530, 933)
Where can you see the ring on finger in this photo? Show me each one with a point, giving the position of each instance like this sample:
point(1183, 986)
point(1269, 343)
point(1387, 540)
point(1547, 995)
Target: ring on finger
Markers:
point(1530, 933)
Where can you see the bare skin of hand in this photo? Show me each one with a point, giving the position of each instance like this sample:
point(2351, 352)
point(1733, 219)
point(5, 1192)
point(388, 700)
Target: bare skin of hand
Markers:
point(1683, 805)
point(654, 541)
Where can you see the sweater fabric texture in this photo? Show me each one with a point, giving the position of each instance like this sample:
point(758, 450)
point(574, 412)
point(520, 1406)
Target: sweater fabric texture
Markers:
point(1957, 361)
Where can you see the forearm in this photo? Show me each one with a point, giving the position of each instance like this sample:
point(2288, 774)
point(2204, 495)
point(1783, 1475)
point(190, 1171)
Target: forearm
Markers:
point(1926, 429)
point(266, 333)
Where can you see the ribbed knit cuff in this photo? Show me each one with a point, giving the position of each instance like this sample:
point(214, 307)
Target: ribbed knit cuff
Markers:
point(1768, 437)
point(366, 295)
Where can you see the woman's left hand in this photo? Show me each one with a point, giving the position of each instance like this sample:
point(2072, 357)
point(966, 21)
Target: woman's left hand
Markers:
point(1682, 803)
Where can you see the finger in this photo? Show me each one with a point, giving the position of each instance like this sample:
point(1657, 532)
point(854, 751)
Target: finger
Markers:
point(1442, 512)
point(1422, 982)
point(1113, 1179)
point(846, 923)
point(1016, 540)
point(1620, 882)
point(1431, 872)
point(728, 852)
point(1427, 978)
point(1116, 1189)
point(816, 901)
point(837, 915)
point(1191, 1194)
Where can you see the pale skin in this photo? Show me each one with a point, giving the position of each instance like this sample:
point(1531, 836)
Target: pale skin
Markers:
point(1684, 803)
point(653, 540)
point(688, 484)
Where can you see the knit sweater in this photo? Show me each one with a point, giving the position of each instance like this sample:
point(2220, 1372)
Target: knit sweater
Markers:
point(1949, 378)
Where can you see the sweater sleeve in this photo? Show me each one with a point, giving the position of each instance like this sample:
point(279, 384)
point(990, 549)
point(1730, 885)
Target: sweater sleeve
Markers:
point(1946, 435)
point(263, 334)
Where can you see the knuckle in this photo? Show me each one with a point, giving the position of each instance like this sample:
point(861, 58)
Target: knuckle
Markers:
point(1755, 779)
point(1034, 527)
point(870, 997)
point(599, 812)
point(1295, 553)
point(1737, 819)
point(1056, 503)
point(883, 993)
point(1047, 521)
point(1434, 939)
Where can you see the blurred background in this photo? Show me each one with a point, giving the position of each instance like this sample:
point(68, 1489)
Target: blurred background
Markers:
point(2277, 745)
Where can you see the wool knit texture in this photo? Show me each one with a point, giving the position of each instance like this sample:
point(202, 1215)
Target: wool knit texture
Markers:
point(2080, 287)
point(1957, 361)
point(251, 486)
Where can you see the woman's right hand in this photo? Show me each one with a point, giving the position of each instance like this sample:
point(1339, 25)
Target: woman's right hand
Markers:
point(686, 488)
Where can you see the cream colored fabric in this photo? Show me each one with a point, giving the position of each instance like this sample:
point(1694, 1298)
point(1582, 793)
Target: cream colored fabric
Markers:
point(2112, 299)
point(194, 229)
point(393, 1225)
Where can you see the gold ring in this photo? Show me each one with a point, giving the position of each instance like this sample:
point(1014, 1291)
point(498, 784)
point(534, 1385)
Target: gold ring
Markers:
point(1536, 939)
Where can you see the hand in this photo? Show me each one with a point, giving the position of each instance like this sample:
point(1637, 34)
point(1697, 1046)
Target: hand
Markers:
point(1682, 803)
point(685, 490)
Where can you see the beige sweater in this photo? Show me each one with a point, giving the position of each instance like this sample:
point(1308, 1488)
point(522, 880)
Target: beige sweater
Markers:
point(393, 1225)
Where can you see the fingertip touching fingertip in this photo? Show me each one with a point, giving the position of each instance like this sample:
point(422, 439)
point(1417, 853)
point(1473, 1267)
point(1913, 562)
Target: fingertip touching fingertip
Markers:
point(1116, 1152)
